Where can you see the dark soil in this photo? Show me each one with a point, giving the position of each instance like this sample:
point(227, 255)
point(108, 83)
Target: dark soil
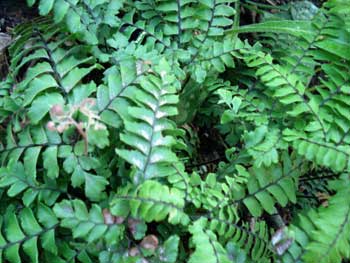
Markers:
point(14, 12)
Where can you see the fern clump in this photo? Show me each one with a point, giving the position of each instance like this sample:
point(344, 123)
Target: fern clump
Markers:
point(177, 131)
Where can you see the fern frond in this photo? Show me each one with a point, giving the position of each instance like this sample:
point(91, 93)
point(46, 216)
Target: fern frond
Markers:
point(53, 64)
point(288, 83)
point(145, 129)
point(24, 231)
point(208, 249)
point(51, 73)
point(87, 171)
point(299, 58)
point(253, 238)
point(81, 18)
point(178, 84)
point(30, 143)
point(243, 104)
point(195, 27)
point(71, 252)
point(7, 106)
point(214, 17)
point(300, 232)
point(329, 155)
point(147, 31)
point(341, 8)
point(215, 58)
point(262, 145)
point(323, 241)
point(180, 180)
point(90, 225)
point(287, 87)
point(180, 19)
point(336, 246)
point(333, 99)
point(15, 177)
point(151, 201)
point(266, 187)
point(110, 95)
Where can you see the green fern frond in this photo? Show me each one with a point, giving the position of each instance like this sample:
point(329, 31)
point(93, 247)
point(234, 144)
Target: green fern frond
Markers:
point(87, 171)
point(146, 31)
point(180, 180)
point(262, 144)
point(54, 77)
point(329, 155)
point(29, 144)
point(151, 201)
point(255, 241)
point(24, 231)
point(90, 225)
point(81, 18)
point(327, 46)
point(181, 18)
point(189, 144)
point(320, 240)
point(333, 96)
point(300, 232)
point(148, 121)
point(215, 58)
point(15, 177)
point(208, 249)
point(70, 253)
point(341, 8)
point(296, 53)
point(117, 83)
point(38, 142)
point(287, 87)
point(55, 65)
point(266, 187)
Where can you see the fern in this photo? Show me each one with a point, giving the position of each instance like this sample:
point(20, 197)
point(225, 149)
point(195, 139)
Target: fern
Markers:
point(155, 131)
point(24, 231)
point(311, 229)
point(19, 181)
point(329, 155)
point(209, 250)
point(148, 204)
point(81, 17)
point(254, 241)
point(91, 225)
point(144, 132)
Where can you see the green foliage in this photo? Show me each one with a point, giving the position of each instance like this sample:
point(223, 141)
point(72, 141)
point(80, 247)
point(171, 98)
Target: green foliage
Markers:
point(316, 238)
point(24, 230)
point(149, 120)
point(90, 225)
point(152, 201)
point(155, 131)
point(208, 249)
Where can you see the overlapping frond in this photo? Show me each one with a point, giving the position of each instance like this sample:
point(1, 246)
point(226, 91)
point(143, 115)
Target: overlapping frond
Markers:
point(151, 201)
point(91, 225)
point(24, 231)
point(254, 240)
point(82, 18)
point(145, 128)
point(266, 187)
point(151, 131)
point(208, 249)
point(19, 182)
point(317, 238)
